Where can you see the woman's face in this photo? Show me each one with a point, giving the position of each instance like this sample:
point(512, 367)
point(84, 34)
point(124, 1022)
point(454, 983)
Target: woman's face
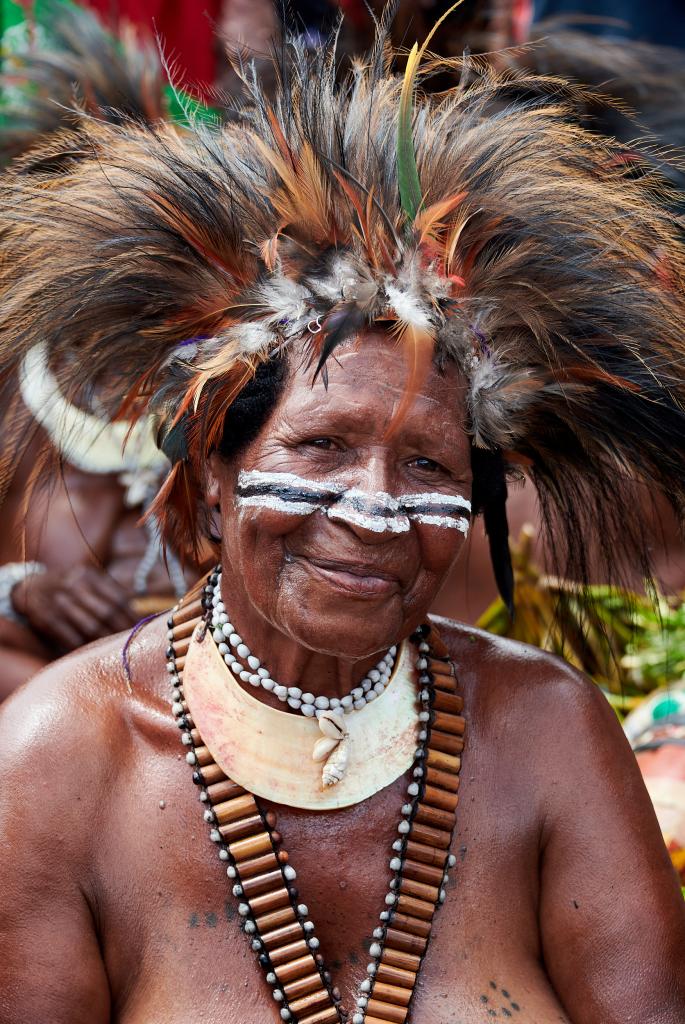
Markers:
point(336, 530)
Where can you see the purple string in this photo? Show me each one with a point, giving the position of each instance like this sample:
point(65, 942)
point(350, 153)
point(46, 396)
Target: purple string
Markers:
point(482, 339)
point(129, 639)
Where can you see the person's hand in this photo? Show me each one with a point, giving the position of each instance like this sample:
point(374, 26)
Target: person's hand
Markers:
point(71, 608)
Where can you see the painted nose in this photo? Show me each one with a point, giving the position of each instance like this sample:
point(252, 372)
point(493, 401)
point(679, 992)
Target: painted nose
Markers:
point(368, 508)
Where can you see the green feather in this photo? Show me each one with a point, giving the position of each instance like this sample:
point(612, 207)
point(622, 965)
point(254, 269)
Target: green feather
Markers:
point(407, 170)
point(409, 183)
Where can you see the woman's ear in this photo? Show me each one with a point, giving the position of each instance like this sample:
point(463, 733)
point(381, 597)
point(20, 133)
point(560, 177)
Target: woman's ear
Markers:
point(212, 484)
point(212, 490)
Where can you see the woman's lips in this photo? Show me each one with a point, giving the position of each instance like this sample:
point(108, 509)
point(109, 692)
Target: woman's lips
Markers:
point(360, 580)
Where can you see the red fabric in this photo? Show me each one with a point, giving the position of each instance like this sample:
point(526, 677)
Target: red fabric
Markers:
point(186, 28)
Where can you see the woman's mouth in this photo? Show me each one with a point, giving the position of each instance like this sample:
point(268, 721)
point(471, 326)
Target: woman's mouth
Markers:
point(354, 578)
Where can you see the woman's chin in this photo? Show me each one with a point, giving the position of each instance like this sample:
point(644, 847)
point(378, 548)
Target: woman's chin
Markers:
point(349, 629)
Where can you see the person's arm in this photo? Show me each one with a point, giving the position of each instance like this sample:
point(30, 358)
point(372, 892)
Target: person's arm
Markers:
point(611, 913)
point(51, 969)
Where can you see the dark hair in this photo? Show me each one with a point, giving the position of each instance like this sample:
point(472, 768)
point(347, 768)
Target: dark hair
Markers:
point(248, 413)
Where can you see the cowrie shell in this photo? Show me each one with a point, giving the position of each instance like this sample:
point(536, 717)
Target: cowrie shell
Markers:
point(323, 747)
point(336, 765)
point(333, 725)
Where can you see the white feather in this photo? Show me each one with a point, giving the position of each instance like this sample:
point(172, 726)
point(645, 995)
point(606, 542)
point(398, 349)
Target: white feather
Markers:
point(408, 306)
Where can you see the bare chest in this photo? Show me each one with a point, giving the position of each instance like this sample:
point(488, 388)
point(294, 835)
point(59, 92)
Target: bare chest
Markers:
point(172, 937)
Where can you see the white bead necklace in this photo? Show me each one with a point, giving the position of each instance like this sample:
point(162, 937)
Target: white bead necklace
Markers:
point(248, 668)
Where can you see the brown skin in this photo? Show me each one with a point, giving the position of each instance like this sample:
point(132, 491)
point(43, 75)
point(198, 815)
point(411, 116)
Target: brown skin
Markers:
point(80, 528)
point(115, 908)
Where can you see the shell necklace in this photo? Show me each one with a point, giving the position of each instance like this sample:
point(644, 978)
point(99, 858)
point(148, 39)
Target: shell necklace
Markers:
point(277, 926)
point(333, 747)
point(251, 670)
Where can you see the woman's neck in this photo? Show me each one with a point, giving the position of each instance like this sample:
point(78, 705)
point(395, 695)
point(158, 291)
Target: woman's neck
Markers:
point(288, 660)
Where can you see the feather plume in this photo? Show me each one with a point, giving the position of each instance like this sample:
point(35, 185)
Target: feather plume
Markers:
point(408, 179)
point(549, 270)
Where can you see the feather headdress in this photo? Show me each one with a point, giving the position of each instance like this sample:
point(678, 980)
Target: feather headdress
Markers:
point(637, 88)
point(483, 224)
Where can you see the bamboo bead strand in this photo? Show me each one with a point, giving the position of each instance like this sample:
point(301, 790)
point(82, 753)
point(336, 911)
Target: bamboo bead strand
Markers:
point(276, 925)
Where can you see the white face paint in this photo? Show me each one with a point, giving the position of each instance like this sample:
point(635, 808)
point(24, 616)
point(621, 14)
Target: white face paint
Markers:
point(372, 510)
point(376, 511)
point(435, 509)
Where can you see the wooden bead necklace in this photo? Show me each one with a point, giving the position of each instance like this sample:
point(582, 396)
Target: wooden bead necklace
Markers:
point(276, 924)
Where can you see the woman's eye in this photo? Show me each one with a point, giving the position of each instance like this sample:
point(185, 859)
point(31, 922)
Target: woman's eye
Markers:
point(325, 444)
point(428, 465)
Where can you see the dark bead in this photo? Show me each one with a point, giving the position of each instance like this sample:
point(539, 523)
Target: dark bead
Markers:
point(327, 976)
point(197, 779)
point(264, 959)
point(336, 994)
point(319, 959)
point(170, 623)
point(293, 893)
point(425, 679)
point(422, 631)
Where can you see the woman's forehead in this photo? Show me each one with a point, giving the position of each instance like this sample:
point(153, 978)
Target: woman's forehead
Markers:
point(361, 394)
point(372, 376)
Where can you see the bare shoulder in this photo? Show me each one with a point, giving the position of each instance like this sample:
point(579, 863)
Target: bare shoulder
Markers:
point(500, 670)
point(72, 724)
point(547, 710)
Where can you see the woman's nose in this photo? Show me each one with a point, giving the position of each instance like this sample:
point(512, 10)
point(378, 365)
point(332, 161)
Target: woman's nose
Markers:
point(376, 475)
point(368, 507)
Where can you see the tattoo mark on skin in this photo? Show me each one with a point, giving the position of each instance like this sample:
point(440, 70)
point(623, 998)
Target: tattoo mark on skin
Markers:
point(376, 511)
point(210, 919)
point(502, 1011)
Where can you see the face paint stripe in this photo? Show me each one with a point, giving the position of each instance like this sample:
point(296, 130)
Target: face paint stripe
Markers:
point(255, 477)
point(295, 508)
point(435, 510)
point(377, 524)
point(376, 511)
point(435, 498)
point(446, 522)
point(285, 493)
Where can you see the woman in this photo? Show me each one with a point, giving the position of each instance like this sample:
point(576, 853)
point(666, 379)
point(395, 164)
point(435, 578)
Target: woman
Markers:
point(349, 312)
